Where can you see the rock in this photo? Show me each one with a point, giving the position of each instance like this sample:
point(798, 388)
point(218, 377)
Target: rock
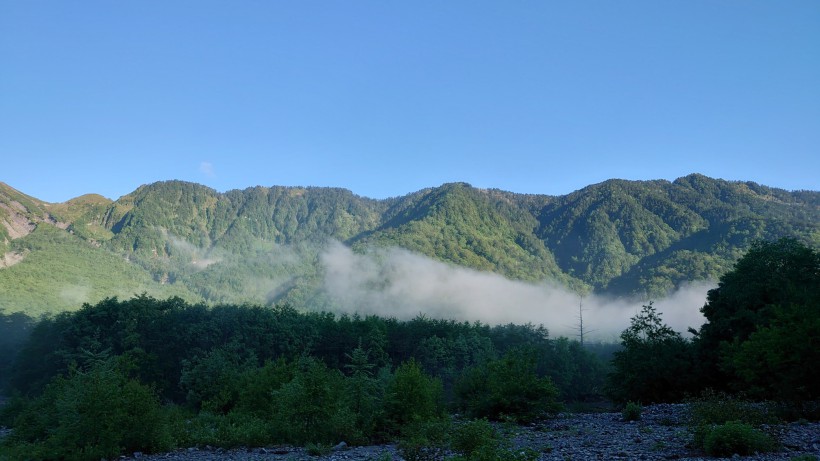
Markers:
point(340, 446)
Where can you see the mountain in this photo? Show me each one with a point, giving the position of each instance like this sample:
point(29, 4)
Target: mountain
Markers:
point(265, 244)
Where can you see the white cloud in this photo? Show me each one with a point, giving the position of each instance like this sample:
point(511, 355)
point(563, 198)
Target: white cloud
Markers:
point(397, 283)
point(207, 168)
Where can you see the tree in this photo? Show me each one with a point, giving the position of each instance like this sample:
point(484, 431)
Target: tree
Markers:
point(771, 298)
point(412, 397)
point(655, 363)
point(507, 388)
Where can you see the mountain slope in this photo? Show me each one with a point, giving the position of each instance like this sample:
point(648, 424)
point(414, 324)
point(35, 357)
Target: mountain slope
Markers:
point(263, 244)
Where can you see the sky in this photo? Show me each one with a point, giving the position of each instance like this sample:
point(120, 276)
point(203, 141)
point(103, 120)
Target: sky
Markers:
point(387, 98)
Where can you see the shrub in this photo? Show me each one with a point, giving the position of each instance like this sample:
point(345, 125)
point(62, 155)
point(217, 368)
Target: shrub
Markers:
point(713, 408)
point(478, 440)
point(424, 440)
point(632, 411)
point(736, 437)
point(318, 449)
point(218, 430)
point(468, 438)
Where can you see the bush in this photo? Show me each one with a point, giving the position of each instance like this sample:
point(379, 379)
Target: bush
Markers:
point(736, 437)
point(632, 411)
point(478, 440)
point(318, 449)
point(218, 430)
point(472, 436)
point(424, 440)
point(715, 409)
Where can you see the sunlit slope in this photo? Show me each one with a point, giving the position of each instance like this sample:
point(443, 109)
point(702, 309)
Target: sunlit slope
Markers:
point(650, 236)
point(488, 230)
point(61, 271)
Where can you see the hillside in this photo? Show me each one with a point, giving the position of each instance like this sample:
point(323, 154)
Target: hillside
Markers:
point(266, 244)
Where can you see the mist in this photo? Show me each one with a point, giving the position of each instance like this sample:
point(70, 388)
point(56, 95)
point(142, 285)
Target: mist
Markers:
point(199, 258)
point(394, 282)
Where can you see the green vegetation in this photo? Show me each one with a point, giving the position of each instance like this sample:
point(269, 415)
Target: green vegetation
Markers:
point(734, 437)
point(477, 440)
point(93, 414)
point(252, 369)
point(713, 410)
point(508, 388)
point(252, 375)
point(61, 270)
point(761, 333)
point(655, 363)
point(763, 325)
point(632, 411)
point(261, 245)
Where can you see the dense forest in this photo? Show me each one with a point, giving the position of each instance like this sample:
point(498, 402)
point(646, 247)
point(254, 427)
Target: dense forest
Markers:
point(268, 245)
point(147, 374)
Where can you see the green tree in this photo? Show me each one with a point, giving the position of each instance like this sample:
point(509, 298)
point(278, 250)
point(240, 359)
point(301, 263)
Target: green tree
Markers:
point(311, 408)
point(90, 415)
point(507, 388)
point(761, 321)
point(773, 362)
point(654, 364)
point(412, 397)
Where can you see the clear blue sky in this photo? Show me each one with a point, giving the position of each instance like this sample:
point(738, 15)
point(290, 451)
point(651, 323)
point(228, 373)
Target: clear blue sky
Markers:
point(385, 98)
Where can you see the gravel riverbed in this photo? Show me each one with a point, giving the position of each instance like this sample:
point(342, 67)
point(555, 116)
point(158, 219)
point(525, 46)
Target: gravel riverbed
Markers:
point(661, 434)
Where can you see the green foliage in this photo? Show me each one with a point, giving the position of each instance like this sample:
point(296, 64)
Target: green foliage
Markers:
point(713, 409)
point(575, 369)
point(763, 323)
point(412, 397)
point(201, 429)
point(257, 387)
point(472, 436)
point(261, 244)
point(60, 272)
point(318, 449)
point(213, 381)
point(364, 396)
point(478, 440)
point(424, 440)
point(735, 437)
point(91, 415)
point(311, 407)
point(632, 411)
point(771, 363)
point(655, 364)
point(507, 388)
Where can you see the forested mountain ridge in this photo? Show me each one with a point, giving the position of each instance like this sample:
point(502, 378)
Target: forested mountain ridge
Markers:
point(262, 244)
